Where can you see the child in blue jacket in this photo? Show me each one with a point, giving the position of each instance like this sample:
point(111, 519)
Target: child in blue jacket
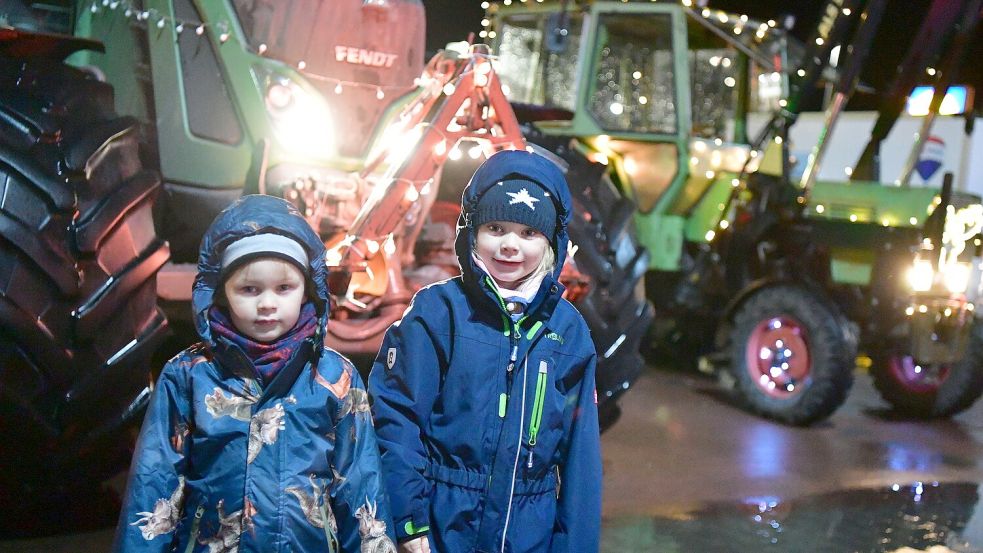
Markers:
point(484, 398)
point(257, 439)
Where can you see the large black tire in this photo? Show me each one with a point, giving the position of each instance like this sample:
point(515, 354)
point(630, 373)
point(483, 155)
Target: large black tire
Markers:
point(792, 355)
point(930, 391)
point(608, 252)
point(78, 313)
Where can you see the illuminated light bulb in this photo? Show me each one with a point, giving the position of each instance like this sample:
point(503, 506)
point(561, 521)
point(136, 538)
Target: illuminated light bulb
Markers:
point(724, 223)
point(412, 194)
point(819, 41)
point(630, 165)
point(602, 141)
point(113, 5)
point(485, 5)
point(820, 208)
point(491, 34)
point(688, 3)
point(771, 23)
point(379, 94)
point(705, 12)
point(738, 30)
point(744, 18)
point(753, 154)
point(848, 171)
point(710, 174)
point(483, 34)
point(485, 22)
point(481, 80)
point(223, 37)
point(694, 160)
point(718, 141)
point(455, 153)
point(847, 11)
point(507, 2)
point(617, 108)
point(449, 89)
point(160, 23)
point(637, 75)
point(301, 65)
point(200, 30)
point(923, 309)
point(735, 182)
point(930, 70)
point(128, 13)
point(913, 221)
point(441, 148)
point(179, 29)
point(94, 8)
point(853, 217)
point(389, 246)
point(475, 152)
point(778, 140)
point(372, 246)
point(710, 236)
point(261, 49)
point(909, 311)
point(783, 102)
point(801, 72)
point(643, 100)
point(730, 82)
point(426, 188)
point(337, 88)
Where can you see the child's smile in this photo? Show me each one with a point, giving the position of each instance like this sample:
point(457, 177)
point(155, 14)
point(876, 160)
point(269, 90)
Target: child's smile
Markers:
point(510, 251)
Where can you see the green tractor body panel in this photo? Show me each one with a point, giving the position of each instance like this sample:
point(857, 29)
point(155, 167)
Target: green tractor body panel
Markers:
point(873, 203)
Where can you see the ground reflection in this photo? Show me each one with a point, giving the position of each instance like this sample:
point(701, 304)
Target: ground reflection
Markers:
point(900, 518)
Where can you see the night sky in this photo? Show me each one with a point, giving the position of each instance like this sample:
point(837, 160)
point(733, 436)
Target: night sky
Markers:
point(452, 20)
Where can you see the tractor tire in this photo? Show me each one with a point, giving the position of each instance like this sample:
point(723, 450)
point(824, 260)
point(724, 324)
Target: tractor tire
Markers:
point(614, 307)
point(922, 391)
point(78, 313)
point(792, 355)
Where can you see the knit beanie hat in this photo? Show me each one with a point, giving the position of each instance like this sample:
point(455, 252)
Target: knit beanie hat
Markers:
point(518, 201)
point(252, 247)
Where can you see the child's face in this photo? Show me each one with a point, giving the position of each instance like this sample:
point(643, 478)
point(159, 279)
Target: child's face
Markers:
point(265, 296)
point(510, 251)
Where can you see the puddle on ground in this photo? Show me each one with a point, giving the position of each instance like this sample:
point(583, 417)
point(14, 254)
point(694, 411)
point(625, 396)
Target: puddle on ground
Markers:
point(904, 518)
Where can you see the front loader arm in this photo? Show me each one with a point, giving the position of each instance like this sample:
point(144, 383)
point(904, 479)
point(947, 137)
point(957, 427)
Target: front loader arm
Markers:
point(462, 99)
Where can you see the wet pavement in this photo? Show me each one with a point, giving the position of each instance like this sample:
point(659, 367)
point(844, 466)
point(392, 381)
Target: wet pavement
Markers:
point(686, 471)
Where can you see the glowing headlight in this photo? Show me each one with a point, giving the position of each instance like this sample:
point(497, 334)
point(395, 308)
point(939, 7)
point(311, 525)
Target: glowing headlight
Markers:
point(301, 121)
point(957, 277)
point(921, 275)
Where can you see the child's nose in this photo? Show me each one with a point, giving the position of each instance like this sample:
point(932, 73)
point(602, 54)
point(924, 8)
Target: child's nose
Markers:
point(510, 242)
point(266, 301)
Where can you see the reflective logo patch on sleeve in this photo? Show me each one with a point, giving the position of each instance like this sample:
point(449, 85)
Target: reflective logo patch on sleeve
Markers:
point(390, 358)
point(595, 396)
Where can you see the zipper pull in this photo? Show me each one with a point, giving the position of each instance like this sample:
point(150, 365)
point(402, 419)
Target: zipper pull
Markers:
point(515, 352)
point(529, 461)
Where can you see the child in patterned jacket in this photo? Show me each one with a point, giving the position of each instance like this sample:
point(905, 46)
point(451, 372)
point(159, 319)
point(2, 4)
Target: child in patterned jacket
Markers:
point(258, 438)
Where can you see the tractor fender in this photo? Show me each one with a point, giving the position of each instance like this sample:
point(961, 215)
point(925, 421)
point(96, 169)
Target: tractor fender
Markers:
point(19, 44)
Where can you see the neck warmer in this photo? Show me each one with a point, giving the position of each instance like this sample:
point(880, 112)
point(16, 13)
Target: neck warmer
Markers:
point(268, 359)
point(522, 295)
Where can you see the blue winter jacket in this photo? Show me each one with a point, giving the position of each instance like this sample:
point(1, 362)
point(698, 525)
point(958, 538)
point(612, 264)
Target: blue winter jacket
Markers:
point(224, 464)
point(488, 428)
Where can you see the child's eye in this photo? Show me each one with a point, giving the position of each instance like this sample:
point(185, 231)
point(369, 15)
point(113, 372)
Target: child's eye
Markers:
point(493, 227)
point(247, 290)
point(286, 287)
point(529, 232)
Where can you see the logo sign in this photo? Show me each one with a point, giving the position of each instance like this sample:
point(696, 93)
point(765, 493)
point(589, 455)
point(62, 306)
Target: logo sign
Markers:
point(391, 358)
point(361, 56)
point(933, 156)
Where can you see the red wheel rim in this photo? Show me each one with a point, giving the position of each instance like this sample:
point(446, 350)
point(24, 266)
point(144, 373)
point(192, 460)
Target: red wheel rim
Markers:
point(777, 357)
point(916, 377)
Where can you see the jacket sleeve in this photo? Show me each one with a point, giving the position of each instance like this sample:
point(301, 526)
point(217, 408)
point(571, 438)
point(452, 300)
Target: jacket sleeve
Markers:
point(578, 514)
point(154, 500)
point(358, 499)
point(404, 384)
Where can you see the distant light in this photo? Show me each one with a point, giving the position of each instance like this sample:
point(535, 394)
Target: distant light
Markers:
point(957, 100)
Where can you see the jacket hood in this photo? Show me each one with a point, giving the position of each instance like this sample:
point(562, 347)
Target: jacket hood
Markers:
point(247, 216)
point(513, 164)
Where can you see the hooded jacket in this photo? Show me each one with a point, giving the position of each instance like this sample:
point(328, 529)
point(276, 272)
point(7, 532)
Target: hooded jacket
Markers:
point(225, 464)
point(488, 427)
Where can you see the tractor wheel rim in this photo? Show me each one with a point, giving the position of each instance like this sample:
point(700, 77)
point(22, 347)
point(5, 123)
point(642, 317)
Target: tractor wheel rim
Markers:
point(917, 377)
point(777, 357)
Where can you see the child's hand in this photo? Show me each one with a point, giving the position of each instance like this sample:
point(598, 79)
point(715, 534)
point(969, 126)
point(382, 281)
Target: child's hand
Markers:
point(418, 545)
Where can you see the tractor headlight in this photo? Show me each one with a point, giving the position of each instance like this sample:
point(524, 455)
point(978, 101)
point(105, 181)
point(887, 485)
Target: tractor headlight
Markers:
point(957, 276)
point(301, 120)
point(921, 275)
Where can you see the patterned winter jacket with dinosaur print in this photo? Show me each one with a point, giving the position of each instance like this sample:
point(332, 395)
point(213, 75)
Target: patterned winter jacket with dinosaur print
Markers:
point(224, 464)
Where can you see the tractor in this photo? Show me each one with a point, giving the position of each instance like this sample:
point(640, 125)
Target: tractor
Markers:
point(116, 154)
point(772, 281)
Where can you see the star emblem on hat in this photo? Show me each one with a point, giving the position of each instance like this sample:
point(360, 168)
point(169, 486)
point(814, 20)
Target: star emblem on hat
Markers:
point(523, 197)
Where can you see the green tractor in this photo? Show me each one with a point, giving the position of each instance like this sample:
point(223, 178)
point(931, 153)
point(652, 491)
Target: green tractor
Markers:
point(775, 282)
point(116, 155)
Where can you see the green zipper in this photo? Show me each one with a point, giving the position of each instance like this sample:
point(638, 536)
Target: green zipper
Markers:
point(194, 529)
point(328, 533)
point(537, 407)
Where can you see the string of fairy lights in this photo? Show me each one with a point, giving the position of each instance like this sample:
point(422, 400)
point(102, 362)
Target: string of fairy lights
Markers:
point(222, 31)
